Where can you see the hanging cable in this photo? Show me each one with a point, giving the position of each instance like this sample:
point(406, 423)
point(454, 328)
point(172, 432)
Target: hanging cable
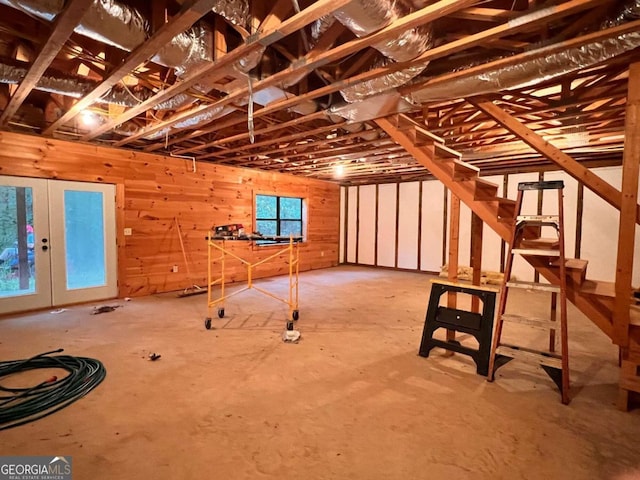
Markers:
point(23, 405)
point(250, 111)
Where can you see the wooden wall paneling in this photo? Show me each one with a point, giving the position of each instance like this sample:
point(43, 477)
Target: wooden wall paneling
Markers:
point(432, 237)
point(387, 225)
point(367, 225)
point(352, 227)
point(154, 189)
point(408, 224)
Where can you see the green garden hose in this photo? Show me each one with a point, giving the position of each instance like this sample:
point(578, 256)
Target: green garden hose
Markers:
point(23, 405)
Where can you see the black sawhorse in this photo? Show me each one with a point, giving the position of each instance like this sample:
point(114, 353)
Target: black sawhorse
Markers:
point(476, 324)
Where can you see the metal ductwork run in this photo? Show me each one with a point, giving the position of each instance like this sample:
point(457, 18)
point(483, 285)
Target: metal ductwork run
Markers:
point(544, 67)
point(364, 17)
point(117, 24)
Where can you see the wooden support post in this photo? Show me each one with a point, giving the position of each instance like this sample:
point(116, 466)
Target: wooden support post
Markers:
point(397, 222)
point(627, 227)
point(579, 214)
point(357, 221)
point(477, 227)
point(503, 244)
point(454, 246)
point(219, 38)
point(346, 225)
point(445, 222)
point(375, 247)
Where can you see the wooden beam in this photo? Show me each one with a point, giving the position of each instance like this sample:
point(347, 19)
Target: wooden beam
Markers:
point(63, 27)
point(308, 63)
point(627, 227)
point(592, 181)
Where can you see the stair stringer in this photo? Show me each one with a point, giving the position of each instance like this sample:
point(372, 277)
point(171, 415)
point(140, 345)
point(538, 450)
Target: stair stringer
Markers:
point(426, 156)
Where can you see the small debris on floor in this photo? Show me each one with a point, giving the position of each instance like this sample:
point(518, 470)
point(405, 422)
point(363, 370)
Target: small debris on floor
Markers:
point(154, 356)
point(127, 299)
point(59, 310)
point(104, 309)
point(291, 336)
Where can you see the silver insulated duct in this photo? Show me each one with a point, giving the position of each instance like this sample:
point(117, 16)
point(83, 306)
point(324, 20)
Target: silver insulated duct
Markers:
point(364, 17)
point(542, 68)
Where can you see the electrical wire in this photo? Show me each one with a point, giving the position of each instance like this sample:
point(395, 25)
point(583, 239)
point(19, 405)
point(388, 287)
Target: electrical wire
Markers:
point(19, 406)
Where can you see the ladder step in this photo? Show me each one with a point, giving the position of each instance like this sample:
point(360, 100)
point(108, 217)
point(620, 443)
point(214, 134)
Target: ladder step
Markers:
point(532, 356)
point(544, 243)
point(538, 218)
point(539, 323)
point(543, 287)
point(541, 252)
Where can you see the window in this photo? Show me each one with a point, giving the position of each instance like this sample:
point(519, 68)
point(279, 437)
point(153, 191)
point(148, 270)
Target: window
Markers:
point(278, 215)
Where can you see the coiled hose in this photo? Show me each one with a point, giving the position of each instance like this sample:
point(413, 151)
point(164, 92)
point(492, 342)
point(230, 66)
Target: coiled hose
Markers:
point(23, 405)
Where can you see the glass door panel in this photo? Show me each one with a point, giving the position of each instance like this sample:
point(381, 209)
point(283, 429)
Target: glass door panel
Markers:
point(25, 281)
point(84, 261)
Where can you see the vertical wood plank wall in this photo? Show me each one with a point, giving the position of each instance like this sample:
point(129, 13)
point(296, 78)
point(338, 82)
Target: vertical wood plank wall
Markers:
point(153, 190)
point(599, 225)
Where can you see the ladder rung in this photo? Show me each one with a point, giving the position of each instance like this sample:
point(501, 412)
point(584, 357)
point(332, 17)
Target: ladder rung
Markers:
point(531, 356)
point(543, 287)
point(536, 251)
point(540, 323)
point(538, 218)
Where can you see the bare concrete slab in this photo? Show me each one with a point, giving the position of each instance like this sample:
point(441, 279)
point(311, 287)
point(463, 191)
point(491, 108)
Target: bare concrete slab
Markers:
point(351, 400)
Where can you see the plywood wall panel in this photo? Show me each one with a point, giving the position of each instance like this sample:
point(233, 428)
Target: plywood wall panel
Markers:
point(432, 233)
point(408, 225)
point(158, 189)
point(352, 224)
point(387, 224)
point(367, 225)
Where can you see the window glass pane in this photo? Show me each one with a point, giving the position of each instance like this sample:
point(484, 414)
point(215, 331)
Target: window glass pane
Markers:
point(267, 227)
point(291, 227)
point(266, 207)
point(17, 257)
point(291, 208)
point(84, 239)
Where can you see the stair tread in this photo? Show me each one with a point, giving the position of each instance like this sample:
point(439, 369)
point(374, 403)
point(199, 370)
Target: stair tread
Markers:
point(449, 152)
point(599, 288)
point(528, 354)
point(540, 252)
point(545, 287)
point(573, 264)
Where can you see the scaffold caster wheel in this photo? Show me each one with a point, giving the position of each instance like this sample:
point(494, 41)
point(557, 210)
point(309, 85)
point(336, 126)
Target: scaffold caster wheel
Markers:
point(207, 323)
point(295, 315)
point(221, 313)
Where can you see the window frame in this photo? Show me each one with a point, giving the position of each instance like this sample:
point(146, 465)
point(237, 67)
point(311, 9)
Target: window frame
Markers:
point(278, 219)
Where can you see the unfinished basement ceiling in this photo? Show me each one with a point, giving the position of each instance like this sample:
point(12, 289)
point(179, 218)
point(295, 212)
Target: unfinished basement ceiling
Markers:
point(293, 85)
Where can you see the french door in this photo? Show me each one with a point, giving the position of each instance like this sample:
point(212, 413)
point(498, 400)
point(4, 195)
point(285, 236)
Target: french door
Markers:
point(57, 243)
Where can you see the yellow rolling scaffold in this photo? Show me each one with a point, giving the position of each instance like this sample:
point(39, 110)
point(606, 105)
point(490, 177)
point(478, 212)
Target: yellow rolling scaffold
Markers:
point(217, 244)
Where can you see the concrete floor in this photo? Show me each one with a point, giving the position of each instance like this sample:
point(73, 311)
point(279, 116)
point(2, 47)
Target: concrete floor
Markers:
point(352, 400)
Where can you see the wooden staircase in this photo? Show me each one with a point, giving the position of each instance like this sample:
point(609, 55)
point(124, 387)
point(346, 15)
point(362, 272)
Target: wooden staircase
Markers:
point(595, 299)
